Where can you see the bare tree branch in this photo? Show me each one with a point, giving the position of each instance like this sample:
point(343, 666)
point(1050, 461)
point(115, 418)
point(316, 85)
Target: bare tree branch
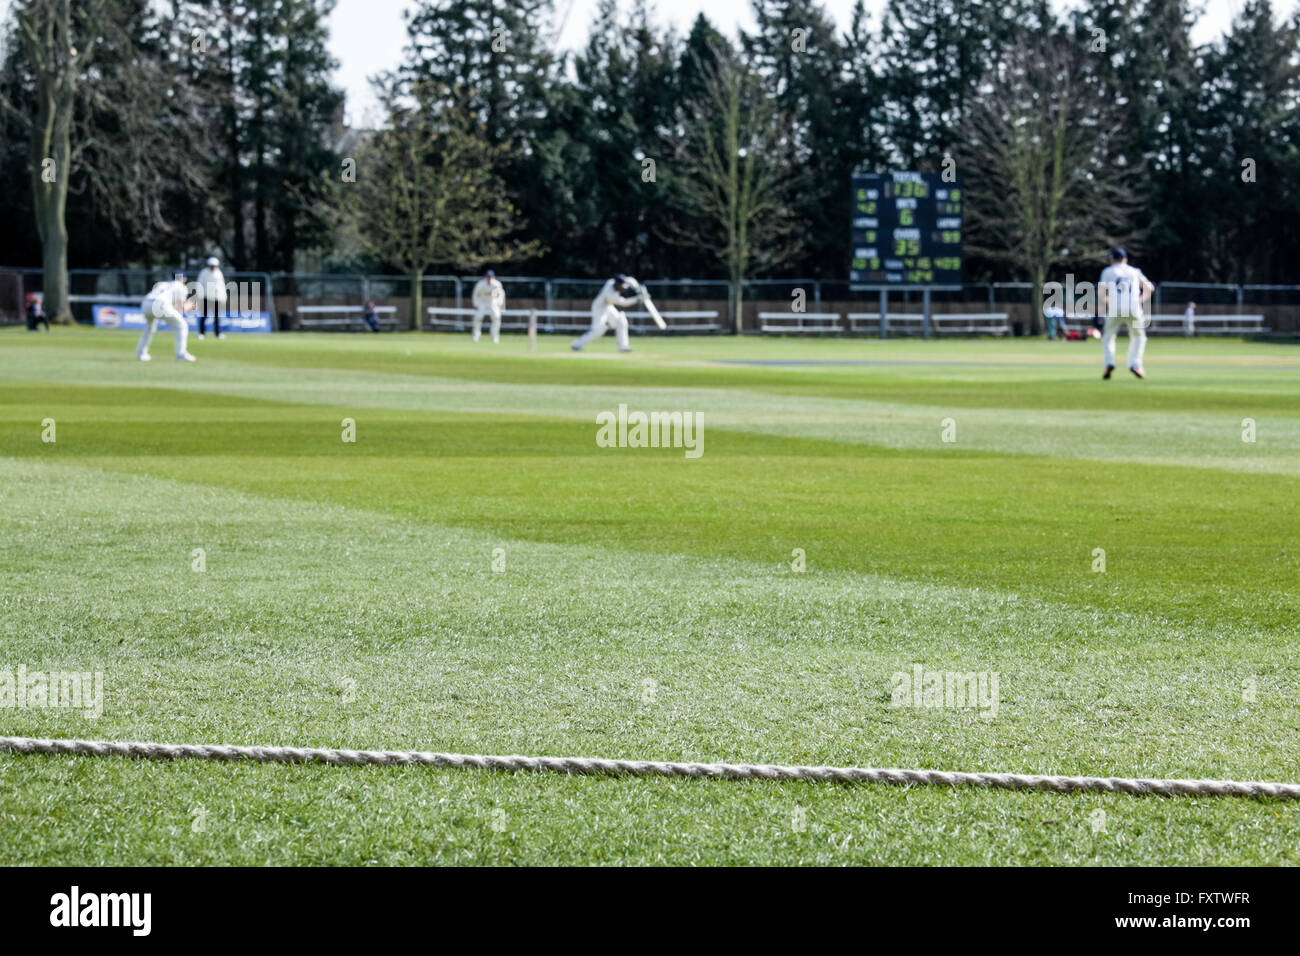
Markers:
point(1044, 185)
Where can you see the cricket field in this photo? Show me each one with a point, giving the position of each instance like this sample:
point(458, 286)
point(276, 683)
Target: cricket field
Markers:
point(411, 542)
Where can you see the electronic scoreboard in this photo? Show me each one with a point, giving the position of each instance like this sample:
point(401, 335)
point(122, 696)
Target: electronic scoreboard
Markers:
point(906, 230)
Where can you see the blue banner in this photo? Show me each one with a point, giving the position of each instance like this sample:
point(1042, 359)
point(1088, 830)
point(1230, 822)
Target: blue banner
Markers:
point(132, 317)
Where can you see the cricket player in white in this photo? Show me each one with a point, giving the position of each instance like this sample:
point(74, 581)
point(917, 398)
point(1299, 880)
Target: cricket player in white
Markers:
point(615, 295)
point(166, 301)
point(489, 299)
point(1121, 294)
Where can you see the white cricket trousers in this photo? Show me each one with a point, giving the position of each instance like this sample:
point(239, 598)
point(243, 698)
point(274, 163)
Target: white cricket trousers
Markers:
point(600, 321)
point(495, 312)
point(153, 311)
point(1137, 338)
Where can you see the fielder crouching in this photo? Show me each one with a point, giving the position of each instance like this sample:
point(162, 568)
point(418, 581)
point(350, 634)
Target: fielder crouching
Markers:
point(166, 301)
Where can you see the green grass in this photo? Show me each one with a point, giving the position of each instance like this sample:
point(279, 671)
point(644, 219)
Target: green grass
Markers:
point(648, 607)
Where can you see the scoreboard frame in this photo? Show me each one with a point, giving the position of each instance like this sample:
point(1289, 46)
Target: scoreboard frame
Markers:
point(920, 213)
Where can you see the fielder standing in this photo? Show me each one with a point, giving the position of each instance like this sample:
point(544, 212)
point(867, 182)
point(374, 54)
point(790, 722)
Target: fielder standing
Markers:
point(489, 299)
point(165, 301)
point(617, 294)
point(1121, 294)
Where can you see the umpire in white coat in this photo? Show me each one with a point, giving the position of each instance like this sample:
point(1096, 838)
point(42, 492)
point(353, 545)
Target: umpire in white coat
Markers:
point(212, 292)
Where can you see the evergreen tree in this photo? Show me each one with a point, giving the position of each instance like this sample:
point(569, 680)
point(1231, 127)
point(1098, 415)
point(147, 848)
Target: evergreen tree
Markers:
point(802, 62)
point(625, 80)
point(933, 54)
point(492, 53)
point(307, 108)
point(495, 56)
point(1142, 50)
point(268, 77)
point(1252, 133)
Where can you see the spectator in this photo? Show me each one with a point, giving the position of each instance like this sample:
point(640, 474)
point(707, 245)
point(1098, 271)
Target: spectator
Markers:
point(370, 315)
point(1056, 316)
point(1189, 320)
point(36, 312)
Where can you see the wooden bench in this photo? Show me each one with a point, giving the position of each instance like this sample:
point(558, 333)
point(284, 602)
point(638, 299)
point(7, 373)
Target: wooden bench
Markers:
point(799, 322)
point(1207, 324)
point(343, 317)
point(941, 323)
point(458, 320)
point(970, 323)
point(1176, 324)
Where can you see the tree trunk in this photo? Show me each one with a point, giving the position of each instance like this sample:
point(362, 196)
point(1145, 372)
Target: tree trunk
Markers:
point(239, 253)
point(51, 151)
point(417, 298)
point(260, 243)
point(54, 263)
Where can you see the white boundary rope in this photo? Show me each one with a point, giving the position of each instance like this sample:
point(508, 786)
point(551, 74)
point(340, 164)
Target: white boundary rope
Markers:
point(651, 768)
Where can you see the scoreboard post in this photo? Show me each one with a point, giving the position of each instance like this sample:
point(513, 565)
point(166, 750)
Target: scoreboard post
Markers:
point(906, 233)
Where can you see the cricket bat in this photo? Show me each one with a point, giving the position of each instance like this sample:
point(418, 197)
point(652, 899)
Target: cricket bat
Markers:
point(654, 313)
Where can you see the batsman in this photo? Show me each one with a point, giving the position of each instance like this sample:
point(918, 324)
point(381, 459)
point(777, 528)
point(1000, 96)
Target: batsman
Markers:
point(618, 293)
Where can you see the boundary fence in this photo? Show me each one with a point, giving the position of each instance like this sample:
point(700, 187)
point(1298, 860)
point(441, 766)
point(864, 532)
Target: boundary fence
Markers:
point(699, 306)
point(90, 287)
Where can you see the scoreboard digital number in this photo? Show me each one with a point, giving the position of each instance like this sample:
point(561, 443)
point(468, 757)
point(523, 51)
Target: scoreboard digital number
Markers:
point(906, 230)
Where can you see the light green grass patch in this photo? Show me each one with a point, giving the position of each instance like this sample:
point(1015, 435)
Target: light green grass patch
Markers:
point(648, 609)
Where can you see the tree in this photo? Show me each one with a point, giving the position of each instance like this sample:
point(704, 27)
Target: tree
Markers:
point(59, 42)
point(134, 137)
point(858, 101)
point(427, 191)
point(265, 77)
point(804, 67)
point(140, 136)
point(932, 54)
point(734, 173)
point(493, 52)
point(624, 79)
point(1043, 181)
point(306, 107)
point(1142, 50)
point(498, 57)
point(702, 44)
point(1251, 133)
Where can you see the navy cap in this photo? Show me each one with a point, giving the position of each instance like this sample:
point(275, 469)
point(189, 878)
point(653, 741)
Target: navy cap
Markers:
point(1118, 253)
point(490, 274)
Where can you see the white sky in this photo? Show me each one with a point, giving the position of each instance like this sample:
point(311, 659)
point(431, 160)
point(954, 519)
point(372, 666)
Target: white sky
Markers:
point(368, 35)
